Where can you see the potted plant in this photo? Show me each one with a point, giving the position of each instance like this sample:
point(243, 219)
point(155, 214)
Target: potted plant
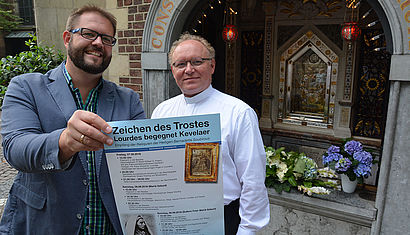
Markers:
point(351, 161)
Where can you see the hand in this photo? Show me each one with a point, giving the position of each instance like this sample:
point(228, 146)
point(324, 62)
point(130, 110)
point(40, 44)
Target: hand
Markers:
point(83, 133)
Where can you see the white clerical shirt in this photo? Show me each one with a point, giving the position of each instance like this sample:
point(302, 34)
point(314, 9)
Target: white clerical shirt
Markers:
point(243, 153)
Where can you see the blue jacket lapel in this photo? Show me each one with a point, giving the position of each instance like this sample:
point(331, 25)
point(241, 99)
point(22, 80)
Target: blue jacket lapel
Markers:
point(61, 92)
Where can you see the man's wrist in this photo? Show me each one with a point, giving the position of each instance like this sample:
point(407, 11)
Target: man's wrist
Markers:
point(64, 153)
point(242, 231)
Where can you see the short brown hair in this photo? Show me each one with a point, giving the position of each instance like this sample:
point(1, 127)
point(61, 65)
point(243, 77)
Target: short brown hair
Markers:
point(187, 36)
point(72, 19)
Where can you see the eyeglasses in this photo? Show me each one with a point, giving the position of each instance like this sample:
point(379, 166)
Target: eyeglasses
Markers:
point(92, 35)
point(194, 62)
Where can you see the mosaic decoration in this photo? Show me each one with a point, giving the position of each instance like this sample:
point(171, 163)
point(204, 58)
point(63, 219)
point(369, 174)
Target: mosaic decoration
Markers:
point(310, 8)
point(307, 83)
point(252, 69)
point(348, 81)
point(230, 69)
point(371, 94)
point(268, 53)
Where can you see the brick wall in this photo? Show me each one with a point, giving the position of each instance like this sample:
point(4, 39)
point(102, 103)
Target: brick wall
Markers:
point(130, 42)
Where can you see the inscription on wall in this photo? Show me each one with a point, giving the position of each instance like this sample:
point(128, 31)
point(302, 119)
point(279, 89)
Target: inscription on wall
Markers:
point(405, 7)
point(161, 23)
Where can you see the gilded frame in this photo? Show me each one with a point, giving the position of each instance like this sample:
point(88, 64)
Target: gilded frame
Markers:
point(201, 162)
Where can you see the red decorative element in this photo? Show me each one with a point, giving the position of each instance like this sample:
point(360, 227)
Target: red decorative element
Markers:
point(351, 31)
point(230, 33)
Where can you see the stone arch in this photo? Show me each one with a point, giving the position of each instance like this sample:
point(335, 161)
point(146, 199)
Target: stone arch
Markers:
point(163, 25)
point(391, 25)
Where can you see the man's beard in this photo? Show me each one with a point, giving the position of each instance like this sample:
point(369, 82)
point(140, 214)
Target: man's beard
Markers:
point(77, 57)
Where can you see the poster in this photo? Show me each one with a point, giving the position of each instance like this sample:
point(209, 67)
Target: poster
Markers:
point(167, 175)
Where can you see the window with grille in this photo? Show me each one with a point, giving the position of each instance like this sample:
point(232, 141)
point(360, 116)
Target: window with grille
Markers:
point(26, 11)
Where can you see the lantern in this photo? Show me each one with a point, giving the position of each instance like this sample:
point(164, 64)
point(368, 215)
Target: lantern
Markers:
point(230, 33)
point(351, 31)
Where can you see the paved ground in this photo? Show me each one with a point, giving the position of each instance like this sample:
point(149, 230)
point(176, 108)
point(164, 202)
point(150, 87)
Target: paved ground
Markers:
point(7, 174)
point(6, 179)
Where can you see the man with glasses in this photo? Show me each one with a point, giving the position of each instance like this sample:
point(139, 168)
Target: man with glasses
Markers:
point(53, 128)
point(192, 61)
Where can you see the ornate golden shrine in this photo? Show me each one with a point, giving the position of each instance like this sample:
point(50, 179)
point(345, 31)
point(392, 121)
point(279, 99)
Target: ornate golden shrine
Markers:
point(307, 85)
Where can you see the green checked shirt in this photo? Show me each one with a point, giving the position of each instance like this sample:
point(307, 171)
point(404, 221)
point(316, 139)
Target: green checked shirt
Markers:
point(95, 219)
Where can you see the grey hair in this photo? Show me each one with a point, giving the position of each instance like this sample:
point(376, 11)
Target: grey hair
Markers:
point(187, 36)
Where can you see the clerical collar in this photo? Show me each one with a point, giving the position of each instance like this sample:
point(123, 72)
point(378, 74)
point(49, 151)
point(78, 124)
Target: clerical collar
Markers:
point(199, 97)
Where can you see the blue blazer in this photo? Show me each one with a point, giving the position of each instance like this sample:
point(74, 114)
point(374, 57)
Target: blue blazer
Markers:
point(46, 197)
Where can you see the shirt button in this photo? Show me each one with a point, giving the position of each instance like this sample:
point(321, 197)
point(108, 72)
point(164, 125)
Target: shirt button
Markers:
point(87, 227)
point(85, 182)
point(88, 206)
point(79, 216)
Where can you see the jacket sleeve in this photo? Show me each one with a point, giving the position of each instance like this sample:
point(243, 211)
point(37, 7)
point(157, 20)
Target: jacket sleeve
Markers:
point(27, 147)
point(137, 111)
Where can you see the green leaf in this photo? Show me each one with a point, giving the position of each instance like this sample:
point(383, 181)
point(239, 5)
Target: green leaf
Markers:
point(319, 183)
point(292, 181)
point(299, 166)
point(8, 18)
point(36, 59)
point(352, 176)
point(307, 184)
point(278, 188)
point(270, 171)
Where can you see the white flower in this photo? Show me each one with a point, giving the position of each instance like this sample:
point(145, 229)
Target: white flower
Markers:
point(281, 175)
point(282, 166)
point(320, 190)
point(273, 162)
point(333, 181)
point(327, 173)
point(316, 190)
point(281, 171)
point(269, 154)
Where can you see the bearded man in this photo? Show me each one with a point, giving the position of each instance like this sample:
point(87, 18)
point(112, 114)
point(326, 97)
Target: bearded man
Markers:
point(53, 128)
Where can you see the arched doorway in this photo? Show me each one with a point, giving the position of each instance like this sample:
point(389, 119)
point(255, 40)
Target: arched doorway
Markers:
point(239, 67)
point(207, 22)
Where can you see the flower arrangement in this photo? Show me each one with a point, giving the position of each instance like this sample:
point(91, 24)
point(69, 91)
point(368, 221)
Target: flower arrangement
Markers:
point(349, 159)
point(286, 170)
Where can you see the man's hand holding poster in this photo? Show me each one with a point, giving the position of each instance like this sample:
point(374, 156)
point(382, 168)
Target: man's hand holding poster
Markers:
point(167, 175)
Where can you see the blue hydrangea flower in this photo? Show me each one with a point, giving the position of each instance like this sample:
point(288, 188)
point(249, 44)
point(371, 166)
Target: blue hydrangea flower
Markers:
point(310, 171)
point(353, 146)
point(333, 149)
point(363, 157)
point(362, 170)
point(331, 157)
point(343, 164)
